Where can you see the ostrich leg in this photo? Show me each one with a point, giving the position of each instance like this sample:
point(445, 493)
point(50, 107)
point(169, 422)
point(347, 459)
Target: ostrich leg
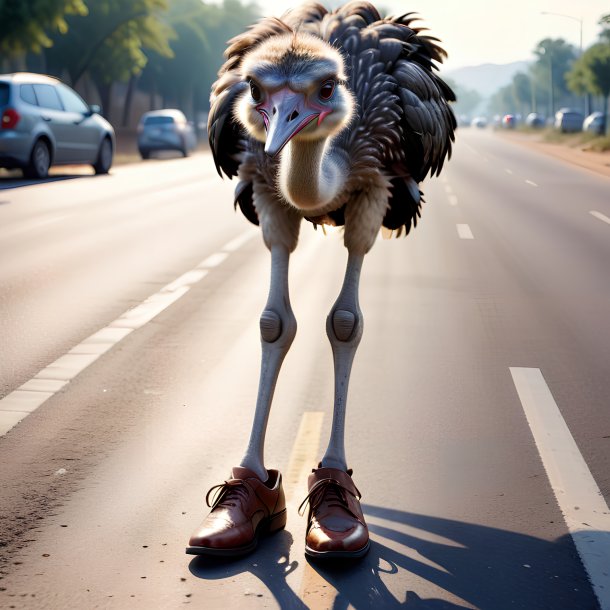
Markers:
point(335, 525)
point(278, 328)
point(344, 327)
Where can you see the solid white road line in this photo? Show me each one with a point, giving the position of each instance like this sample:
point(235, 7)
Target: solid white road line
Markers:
point(27, 398)
point(584, 509)
point(464, 231)
point(600, 216)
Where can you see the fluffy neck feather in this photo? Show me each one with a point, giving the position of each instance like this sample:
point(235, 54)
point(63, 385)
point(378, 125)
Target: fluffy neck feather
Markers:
point(311, 174)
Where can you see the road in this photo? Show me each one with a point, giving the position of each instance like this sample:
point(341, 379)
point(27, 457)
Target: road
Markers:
point(478, 426)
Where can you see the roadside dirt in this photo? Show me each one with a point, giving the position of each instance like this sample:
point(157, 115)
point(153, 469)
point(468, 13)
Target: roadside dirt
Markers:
point(598, 162)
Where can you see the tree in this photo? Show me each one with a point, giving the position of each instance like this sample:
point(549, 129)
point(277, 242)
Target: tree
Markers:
point(592, 71)
point(502, 101)
point(202, 30)
point(605, 23)
point(25, 26)
point(555, 58)
point(522, 92)
point(111, 40)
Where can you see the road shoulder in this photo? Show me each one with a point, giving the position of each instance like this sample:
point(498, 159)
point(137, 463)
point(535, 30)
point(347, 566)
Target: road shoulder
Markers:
point(598, 162)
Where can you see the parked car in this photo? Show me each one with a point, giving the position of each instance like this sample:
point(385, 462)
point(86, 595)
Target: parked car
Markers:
point(480, 122)
point(509, 121)
point(568, 120)
point(165, 130)
point(43, 122)
point(535, 120)
point(595, 123)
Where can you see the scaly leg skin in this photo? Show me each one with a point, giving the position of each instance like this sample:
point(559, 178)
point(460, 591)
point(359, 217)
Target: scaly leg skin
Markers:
point(278, 329)
point(344, 327)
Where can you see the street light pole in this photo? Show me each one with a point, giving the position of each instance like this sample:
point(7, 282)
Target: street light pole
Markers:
point(579, 20)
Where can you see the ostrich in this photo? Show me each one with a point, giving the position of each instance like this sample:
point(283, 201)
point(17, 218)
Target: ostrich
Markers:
point(333, 117)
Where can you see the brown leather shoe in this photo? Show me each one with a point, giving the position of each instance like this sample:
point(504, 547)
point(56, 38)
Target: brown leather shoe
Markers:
point(244, 509)
point(335, 525)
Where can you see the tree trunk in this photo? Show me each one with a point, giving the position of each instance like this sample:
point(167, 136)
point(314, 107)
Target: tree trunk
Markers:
point(105, 90)
point(608, 115)
point(128, 100)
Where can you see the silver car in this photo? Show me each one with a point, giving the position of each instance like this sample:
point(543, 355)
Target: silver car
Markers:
point(165, 130)
point(44, 123)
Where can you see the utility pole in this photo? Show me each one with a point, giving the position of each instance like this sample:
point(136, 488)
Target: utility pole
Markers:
point(579, 20)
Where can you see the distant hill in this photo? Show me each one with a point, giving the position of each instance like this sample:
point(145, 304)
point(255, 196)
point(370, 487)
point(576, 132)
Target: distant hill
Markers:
point(486, 78)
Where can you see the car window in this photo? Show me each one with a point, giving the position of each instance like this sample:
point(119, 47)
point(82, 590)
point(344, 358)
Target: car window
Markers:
point(71, 100)
point(26, 92)
point(158, 120)
point(4, 91)
point(47, 96)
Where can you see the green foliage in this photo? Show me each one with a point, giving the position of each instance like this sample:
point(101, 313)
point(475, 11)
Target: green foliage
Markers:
point(25, 24)
point(197, 50)
point(591, 74)
point(111, 40)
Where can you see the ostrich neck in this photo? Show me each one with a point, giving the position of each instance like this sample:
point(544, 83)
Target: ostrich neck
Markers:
point(312, 173)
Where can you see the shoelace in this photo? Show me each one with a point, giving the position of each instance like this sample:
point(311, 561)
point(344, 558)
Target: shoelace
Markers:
point(331, 492)
point(227, 493)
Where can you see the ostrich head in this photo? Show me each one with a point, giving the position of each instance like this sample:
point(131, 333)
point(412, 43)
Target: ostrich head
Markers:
point(297, 91)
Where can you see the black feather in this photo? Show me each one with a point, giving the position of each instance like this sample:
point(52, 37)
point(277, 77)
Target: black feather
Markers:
point(403, 128)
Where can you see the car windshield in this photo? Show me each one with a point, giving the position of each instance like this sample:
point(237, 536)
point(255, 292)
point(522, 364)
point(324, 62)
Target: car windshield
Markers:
point(3, 94)
point(158, 120)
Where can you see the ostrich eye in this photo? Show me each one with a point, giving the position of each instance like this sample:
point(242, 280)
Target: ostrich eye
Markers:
point(327, 89)
point(255, 92)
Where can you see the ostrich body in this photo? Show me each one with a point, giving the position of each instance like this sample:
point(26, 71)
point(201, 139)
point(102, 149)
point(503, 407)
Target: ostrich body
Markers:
point(334, 117)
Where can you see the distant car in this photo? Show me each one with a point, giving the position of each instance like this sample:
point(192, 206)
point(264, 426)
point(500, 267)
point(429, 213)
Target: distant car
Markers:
point(509, 121)
point(535, 120)
point(165, 130)
point(568, 120)
point(43, 122)
point(479, 121)
point(595, 123)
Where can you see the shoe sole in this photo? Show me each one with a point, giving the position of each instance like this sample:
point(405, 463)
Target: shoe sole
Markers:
point(326, 555)
point(266, 527)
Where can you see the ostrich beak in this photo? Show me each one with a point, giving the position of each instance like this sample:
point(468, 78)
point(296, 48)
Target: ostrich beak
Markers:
point(286, 113)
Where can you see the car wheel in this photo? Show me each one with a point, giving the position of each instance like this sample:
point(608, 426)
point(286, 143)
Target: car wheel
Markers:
point(104, 157)
point(145, 154)
point(40, 161)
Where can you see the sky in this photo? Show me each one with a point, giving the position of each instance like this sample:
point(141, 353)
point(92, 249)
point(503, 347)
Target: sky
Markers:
point(480, 31)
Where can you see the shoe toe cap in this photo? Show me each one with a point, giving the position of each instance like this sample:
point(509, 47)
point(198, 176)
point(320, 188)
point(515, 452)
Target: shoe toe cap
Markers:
point(323, 540)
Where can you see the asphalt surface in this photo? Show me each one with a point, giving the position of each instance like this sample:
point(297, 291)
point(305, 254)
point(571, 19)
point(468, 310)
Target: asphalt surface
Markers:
point(103, 483)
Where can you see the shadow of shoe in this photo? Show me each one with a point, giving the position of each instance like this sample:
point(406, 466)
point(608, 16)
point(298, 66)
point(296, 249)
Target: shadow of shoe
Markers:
point(270, 563)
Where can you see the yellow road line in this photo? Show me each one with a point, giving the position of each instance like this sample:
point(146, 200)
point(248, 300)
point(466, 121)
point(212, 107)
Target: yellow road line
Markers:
point(313, 590)
point(304, 454)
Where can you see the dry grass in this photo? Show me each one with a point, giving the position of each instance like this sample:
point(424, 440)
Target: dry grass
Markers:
point(582, 140)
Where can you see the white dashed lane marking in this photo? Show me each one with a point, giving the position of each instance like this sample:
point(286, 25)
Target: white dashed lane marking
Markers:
point(453, 200)
point(531, 183)
point(27, 398)
point(464, 231)
point(584, 509)
point(600, 216)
